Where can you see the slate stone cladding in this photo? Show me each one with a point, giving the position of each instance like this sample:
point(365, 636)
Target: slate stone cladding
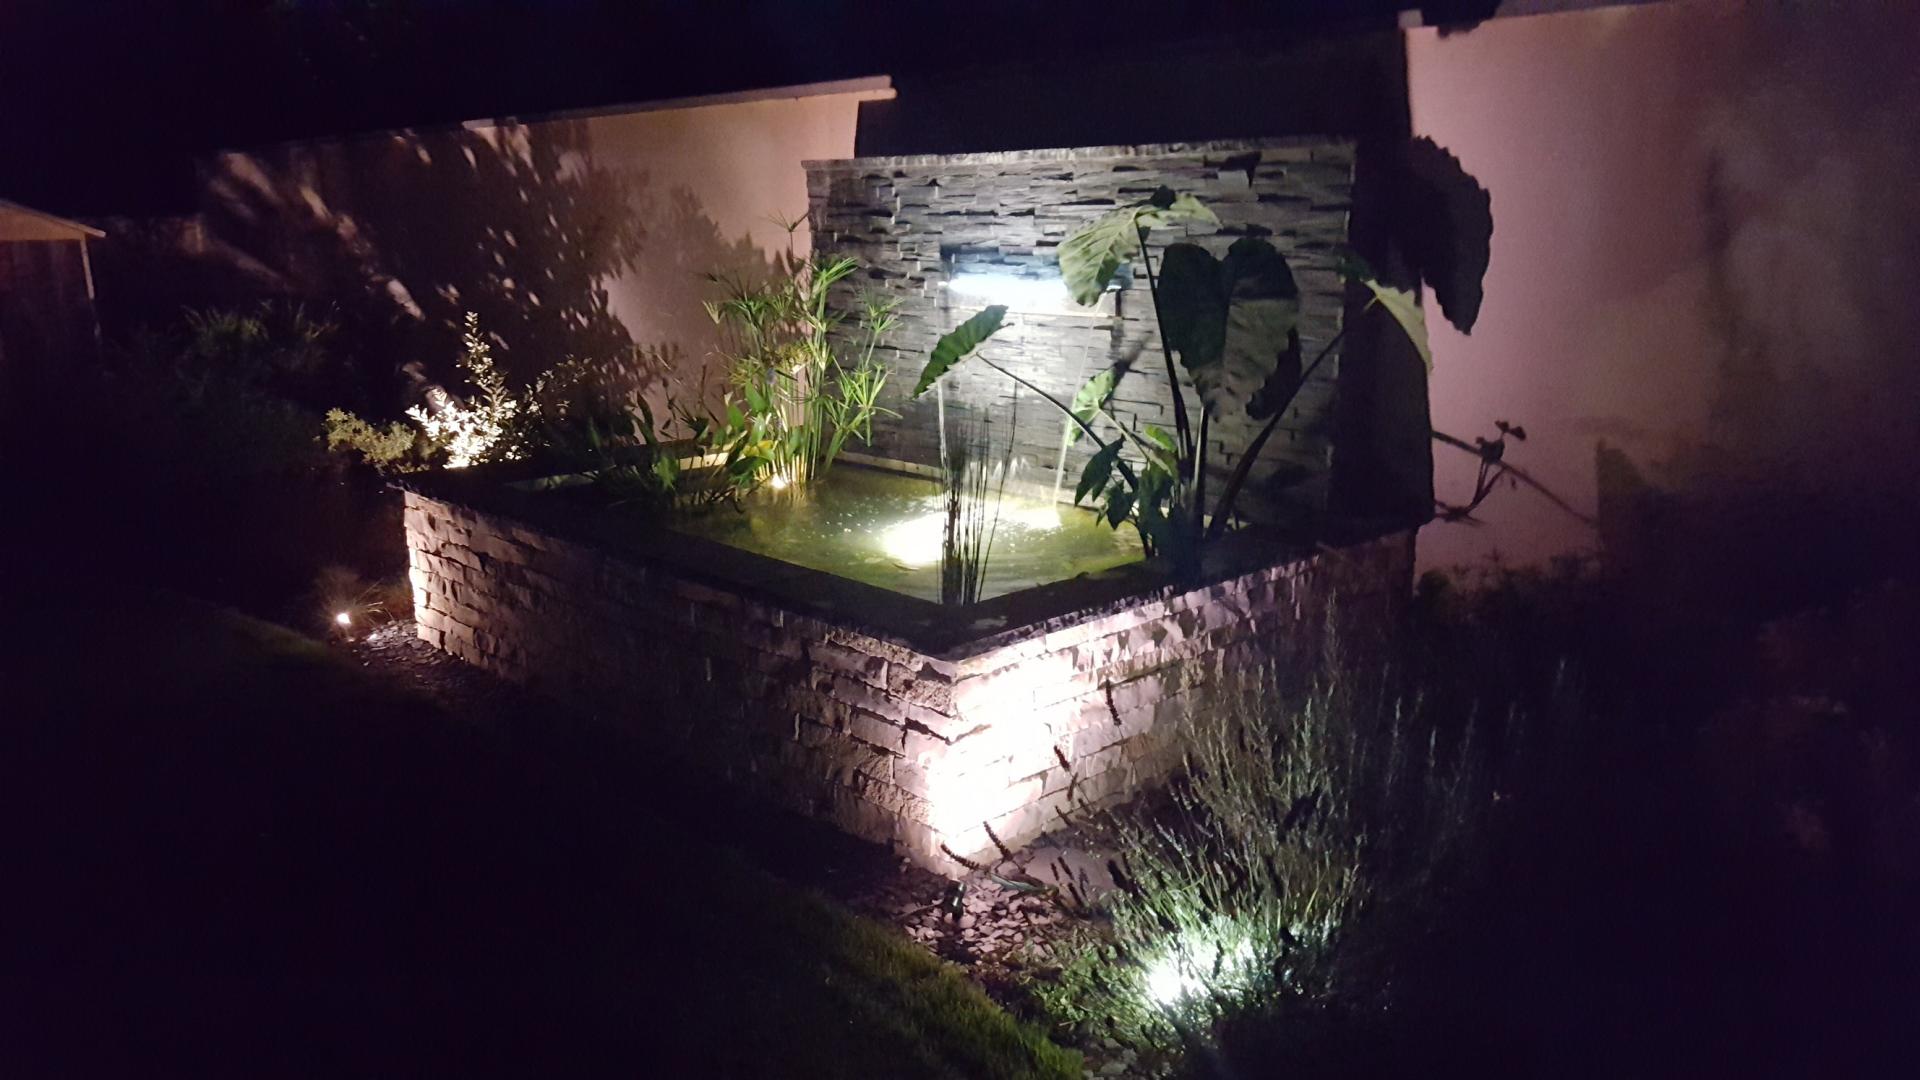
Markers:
point(913, 221)
point(924, 751)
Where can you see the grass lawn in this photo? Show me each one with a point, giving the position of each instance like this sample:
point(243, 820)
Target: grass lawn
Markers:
point(232, 851)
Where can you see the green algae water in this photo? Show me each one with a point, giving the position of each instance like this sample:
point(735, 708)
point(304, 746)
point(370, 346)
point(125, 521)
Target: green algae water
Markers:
point(884, 528)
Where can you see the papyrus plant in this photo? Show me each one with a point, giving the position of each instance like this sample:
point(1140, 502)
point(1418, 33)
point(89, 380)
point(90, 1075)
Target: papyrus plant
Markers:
point(807, 382)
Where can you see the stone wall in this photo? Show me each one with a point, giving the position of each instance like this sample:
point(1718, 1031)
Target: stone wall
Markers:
point(925, 751)
point(914, 221)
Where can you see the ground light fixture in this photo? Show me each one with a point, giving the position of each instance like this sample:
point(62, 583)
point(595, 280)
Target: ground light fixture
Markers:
point(1186, 970)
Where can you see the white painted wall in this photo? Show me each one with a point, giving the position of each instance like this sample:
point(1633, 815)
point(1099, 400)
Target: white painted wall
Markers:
point(1615, 312)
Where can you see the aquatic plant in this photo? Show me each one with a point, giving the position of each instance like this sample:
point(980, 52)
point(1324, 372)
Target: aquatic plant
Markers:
point(973, 486)
point(785, 344)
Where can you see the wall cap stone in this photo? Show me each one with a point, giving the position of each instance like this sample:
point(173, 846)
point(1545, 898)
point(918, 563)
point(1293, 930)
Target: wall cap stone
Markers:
point(1300, 147)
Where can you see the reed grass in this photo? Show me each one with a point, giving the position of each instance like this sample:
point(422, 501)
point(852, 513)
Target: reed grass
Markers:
point(973, 485)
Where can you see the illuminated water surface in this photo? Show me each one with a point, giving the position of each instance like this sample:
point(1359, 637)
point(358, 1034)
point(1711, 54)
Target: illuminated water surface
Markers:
point(884, 528)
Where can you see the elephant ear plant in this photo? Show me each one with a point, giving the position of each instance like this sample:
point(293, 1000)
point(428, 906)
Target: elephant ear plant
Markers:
point(1231, 324)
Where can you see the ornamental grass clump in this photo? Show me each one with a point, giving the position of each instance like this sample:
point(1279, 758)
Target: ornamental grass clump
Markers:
point(1297, 815)
point(973, 488)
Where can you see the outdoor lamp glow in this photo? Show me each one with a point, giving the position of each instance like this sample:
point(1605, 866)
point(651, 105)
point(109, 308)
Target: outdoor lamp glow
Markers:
point(916, 541)
point(1017, 291)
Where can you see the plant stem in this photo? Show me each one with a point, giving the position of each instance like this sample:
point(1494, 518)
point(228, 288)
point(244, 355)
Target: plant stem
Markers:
point(1200, 473)
point(1166, 352)
point(1515, 472)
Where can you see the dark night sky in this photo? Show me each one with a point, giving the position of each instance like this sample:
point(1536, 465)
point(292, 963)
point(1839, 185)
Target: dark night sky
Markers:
point(106, 99)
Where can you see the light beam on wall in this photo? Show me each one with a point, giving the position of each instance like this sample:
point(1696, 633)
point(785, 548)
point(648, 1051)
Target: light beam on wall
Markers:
point(1019, 292)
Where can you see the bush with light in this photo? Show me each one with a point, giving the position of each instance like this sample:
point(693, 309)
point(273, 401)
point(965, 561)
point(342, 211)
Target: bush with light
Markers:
point(1294, 817)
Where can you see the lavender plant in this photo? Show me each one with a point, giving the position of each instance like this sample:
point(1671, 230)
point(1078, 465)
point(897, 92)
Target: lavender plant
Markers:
point(1295, 814)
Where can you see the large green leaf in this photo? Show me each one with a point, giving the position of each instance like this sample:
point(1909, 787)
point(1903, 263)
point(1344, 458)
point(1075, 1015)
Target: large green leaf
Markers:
point(1405, 309)
point(1094, 253)
point(958, 344)
point(1099, 468)
point(1162, 452)
point(1228, 320)
point(1263, 310)
point(1090, 399)
point(1164, 208)
point(1193, 308)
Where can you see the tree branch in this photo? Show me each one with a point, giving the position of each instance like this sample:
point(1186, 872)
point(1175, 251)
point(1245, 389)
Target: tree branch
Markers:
point(1518, 474)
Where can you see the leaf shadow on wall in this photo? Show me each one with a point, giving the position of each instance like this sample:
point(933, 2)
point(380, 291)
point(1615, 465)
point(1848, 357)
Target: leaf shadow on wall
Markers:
point(559, 256)
point(1428, 221)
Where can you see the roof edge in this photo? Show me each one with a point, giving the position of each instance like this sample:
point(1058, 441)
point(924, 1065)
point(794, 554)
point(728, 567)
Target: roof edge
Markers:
point(53, 219)
point(867, 88)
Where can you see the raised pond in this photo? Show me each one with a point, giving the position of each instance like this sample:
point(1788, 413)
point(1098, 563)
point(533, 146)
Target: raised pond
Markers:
point(798, 647)
point(884, 528)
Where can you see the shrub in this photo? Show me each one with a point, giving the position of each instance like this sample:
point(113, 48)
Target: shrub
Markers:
point(1297, 816)
point(395, 448)
point(491, 426)
point(497, 423)
point(222, 394)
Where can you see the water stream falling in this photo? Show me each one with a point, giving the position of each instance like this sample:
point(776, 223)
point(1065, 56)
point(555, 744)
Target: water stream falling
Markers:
point(940, 405)
point(1060, 466)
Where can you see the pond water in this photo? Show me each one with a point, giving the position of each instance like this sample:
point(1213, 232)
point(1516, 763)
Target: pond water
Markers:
point(884, 528)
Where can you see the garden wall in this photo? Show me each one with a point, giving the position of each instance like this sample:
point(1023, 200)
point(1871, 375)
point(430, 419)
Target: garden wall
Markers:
point(579, 235)
point(923, 750)
point(917, 222)
point(1663, 177)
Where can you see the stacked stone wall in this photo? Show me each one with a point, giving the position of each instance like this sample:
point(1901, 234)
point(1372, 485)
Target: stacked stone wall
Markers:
point(935, 755)
point(915, 222)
